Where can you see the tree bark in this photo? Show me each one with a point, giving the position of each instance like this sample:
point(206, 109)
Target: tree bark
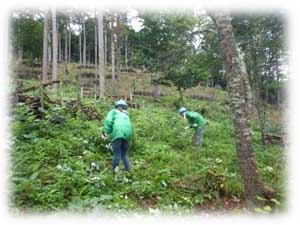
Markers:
point(70, 36)
point(66, 44)
point(45, 49)
point(96, 46)
point(105, 46)
point(54, 48)
point(118, 50)
point(59, 47)
point(236, 74)
point(126, 54)
point(84, 44)
point(80, 49)
point(101, 55)
point(113, 69)
point(49, 45)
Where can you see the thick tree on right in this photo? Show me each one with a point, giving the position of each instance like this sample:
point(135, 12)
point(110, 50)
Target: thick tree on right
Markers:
point(239, 95)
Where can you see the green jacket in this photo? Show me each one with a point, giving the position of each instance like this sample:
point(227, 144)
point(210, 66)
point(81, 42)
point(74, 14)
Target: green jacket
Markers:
point(117, 125)
point(195, 119)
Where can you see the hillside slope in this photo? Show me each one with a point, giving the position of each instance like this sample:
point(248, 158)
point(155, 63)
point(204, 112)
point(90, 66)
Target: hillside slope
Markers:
point(59, 161)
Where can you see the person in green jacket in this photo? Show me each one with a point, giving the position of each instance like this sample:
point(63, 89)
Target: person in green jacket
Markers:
point(118, 127)
point(197, 122)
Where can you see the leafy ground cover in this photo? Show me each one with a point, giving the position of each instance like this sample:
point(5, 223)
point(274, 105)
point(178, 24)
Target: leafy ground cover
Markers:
point(59, 162)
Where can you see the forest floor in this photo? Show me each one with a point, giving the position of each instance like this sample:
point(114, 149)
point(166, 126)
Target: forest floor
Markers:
point(59, 162)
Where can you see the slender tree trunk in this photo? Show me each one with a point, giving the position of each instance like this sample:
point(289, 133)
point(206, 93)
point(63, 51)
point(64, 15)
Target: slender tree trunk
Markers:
point(118, 50)
point(70, 36)
point(131, 58)
point(45, 49)
point(96, 47)
point(84, 44)
point(277, 71)
point(59, 47)
point(54, 47)
point(113, 72)
point(236, 74)
point(49, 45)
point(126, 59)
point(118, 59)
point(66, 45)
point(101, 55)
point(105, 46)
point(80, 49)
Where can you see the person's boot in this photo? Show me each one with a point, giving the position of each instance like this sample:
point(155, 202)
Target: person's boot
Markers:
point(116, 169)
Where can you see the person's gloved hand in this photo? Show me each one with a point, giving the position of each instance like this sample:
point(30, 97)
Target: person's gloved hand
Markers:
point(104, 136)
point(186, 127)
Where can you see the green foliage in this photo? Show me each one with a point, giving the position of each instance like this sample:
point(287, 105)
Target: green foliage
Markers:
point(64, 164)
point(270, 206)
point(262, 39)
point(27, 34)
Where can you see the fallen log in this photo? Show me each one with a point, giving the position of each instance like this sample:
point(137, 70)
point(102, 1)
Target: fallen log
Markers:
point(275, 138)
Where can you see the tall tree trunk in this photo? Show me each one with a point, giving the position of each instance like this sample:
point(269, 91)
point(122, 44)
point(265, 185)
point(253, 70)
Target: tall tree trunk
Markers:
point(80, 49)
point(126, 53)
point(96, 47)
point(113, 72)
point(70, 36)
point(101, 55)
point(45, 49)
point(236, 74)
point(49, 45)
point(118, 49)
point(84, 44)
point(277, 71)
point(118, 59)
point(105, 46)
point(54, 48)
point(66, 44)
point(59, 47)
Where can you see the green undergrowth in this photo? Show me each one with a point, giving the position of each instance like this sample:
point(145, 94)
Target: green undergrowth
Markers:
point(63, 164)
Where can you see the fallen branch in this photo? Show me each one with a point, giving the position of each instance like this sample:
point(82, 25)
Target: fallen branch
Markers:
point(274, 138)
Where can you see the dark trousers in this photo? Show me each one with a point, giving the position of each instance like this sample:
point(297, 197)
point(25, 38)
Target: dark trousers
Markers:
point(120, 149)
point(198, 137)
